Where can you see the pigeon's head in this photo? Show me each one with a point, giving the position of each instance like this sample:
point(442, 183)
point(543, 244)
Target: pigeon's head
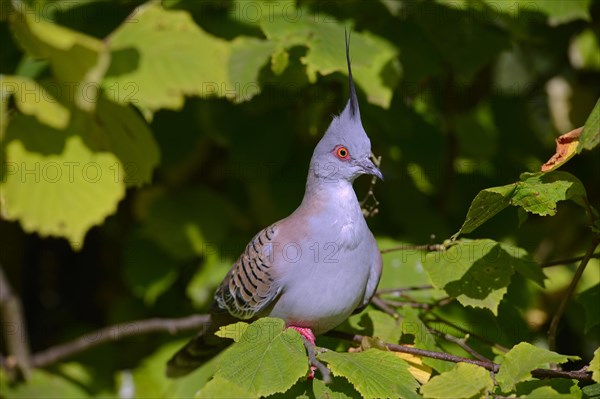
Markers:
point(344, 152)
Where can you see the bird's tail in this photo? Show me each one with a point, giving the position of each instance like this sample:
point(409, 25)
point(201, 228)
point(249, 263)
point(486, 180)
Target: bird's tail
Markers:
point(203, 347)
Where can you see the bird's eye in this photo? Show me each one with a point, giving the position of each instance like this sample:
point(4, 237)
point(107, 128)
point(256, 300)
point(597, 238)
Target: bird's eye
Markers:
point(342, 153)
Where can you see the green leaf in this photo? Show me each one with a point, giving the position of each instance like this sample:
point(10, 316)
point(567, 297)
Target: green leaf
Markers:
point(591, 391)
point(486, 205)
point(233, 331)
point(561, 11)
point(32, 99)
point(463, 381)
point(42, 384)
point(559, 386)
point(209, 275)
point(585, 51)
point(182, 228)
point(546, 393)
point(536, 193)
point(63, 182)
point(148, 70)
point(371, 55)
point(248, 56)
point(149, 377)
point(475, 272)
point(77, 60)
point(62, 193)
point(595, 366)
point(374, 373)
point(382, 326)
point(412, 324)
point(338, 388)
point(590, 136)
point(517, 364)
point(404, 268)
point(269, 358)
point(524, 264)
point(590, 299)
point(147, 269)
point(219, 387)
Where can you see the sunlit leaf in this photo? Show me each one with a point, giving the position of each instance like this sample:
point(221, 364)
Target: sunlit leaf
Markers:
point(163, 56)
point(78, 61)
point(374, 373)
point(590, 136)
point(371, 55)
point(517, 364)
point(268, 358)
point(463, 381)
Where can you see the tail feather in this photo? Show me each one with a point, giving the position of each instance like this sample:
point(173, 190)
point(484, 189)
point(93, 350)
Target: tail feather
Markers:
point(200, 349)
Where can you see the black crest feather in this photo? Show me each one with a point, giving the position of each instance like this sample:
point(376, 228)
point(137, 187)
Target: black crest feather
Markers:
point(353, 98)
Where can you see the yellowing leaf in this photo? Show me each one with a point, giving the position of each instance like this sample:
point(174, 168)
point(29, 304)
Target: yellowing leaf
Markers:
point(63, 182)
point(566, 148)
point(420, 371)
point(62, 194)
point(162, 57)
point(32, 99)
point(78, 61)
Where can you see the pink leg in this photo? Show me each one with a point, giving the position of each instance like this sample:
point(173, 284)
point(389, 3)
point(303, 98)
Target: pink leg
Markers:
point(306, 333)
point(310, 336)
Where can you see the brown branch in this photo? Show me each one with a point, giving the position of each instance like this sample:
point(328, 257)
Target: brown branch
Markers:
point(14, 330)
point(381, 304)
point(570, 290)
point(567, 261)
point(580, 375)
point(117, 333)
point(461, 342)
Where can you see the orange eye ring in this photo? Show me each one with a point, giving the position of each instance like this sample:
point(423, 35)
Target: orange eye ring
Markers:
point(342, 152)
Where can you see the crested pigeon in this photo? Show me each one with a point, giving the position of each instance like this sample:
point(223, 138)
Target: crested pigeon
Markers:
point(312, 269)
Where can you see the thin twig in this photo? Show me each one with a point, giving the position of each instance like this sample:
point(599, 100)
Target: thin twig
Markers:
point(438, 318)
point(412, 304)
point(424, 247)
point(371, 210)
point(488, 365)
point(117, 333)
point(14, 330)
point(381, 304)
point(567, 261)
point(403, 289)
point(310, 351)
point(462, 342)
point(570, 290)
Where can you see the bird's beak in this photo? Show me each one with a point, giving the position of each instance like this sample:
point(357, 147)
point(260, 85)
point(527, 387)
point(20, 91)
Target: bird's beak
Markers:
point(369, 168)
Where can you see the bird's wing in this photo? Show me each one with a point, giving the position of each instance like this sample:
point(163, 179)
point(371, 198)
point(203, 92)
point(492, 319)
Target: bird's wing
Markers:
point(373, 281)
point(250, 285)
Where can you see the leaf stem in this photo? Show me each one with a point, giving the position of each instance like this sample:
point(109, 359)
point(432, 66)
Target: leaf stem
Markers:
point(570, 290)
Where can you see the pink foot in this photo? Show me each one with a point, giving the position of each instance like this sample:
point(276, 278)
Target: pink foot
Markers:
point(310, 336)
point(306, 333)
